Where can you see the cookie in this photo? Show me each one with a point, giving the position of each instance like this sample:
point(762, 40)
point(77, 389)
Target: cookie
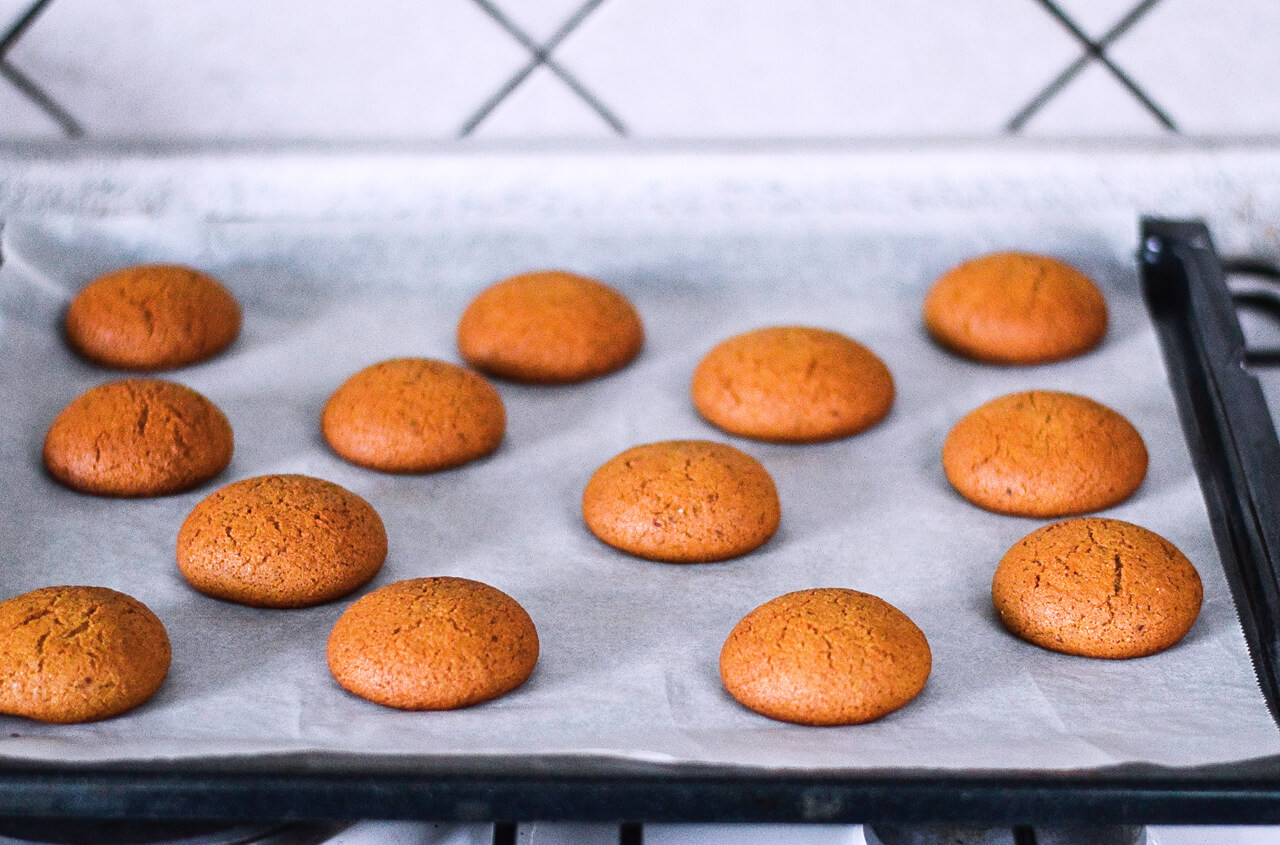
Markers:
point(138, 437)
point(682, 501)
point(1044, 454)
point(414, 415)
point(1016, 308)
point(152, 317)
point(549, 327)
point(827, 656)
point(1097, 588)
point(78, 654)
point(281, 541)
point(433, 644)
point(792, 384)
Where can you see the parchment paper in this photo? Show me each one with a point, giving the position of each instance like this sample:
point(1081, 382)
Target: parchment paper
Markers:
point(629, 648)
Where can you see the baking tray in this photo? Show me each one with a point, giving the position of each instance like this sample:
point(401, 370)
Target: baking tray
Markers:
point(754, 184)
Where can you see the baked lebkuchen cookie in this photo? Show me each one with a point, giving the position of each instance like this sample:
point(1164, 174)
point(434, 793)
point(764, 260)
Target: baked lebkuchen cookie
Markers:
point(682, 501)
point(1097, 588)
point(138, 437)
point(792, 384)
point(1043, 453)
point(414, 415)
point(1016, 308)
point(152, 317)
point(827, 656)
point(281, 541)
point(433, 644)
point(78, 654)
point(549, 327)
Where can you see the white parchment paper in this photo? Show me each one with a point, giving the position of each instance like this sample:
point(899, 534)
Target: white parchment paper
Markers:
point(629, 648)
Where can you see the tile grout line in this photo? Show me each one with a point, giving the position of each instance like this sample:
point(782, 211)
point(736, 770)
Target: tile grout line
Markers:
point(21, 25)
point(1024, 114)
point(1094, 51)
point(70, 127)
point(541, 55)
point(1097, 49)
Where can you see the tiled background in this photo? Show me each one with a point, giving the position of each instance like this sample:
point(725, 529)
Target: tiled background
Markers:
point(336, 70)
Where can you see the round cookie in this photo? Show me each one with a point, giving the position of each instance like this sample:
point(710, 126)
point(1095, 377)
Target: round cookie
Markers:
point(827, 656)
point(1097, 588)
point(1015, 308)
point(152, 317)
point(138, 437)
point(682, 501)
point(1044, 454)
point(281, 541)
point(414, 415)
point(78, 654)
point(433, 644)
point(549, 327)
point(792, 384)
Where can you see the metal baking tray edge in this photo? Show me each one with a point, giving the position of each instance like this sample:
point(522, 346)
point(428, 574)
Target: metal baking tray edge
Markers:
point(314, 786)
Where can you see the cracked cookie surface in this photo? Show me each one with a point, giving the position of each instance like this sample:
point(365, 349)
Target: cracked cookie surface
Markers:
point(1015, 308)
point(281, 541)
point(1044, 453)
point(826, 656)
point(433, 644)
point(152, 317)
point(414, 415)
point(792, 384)
point(78, 654)
point(682, 501)
point(549, 327)
point(1097, 588)
point(138, 437)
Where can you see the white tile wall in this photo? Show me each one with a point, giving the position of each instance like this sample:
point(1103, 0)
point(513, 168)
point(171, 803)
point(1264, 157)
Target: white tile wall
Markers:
point(1213, 66)
point(332, 70)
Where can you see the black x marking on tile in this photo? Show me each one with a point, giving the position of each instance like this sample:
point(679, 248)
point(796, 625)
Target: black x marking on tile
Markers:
point(540, 55)
point(1094, 51)
point(25, 86)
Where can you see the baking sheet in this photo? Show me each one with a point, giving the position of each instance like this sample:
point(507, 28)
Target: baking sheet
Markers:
point(629, 647)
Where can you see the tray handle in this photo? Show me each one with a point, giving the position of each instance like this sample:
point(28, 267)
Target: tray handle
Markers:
point(1228, 427)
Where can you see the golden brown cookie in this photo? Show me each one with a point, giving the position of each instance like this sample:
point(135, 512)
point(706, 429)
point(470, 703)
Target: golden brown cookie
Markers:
point(414, 415)
point(827, 656)
point(682, 501)
point(792, 384)
point(549, 327)
point(152, 317)
point(281, 541)
point(1097, 588)
point(1044, 454)
point(78, 654)
point(433, 644)
point(138, 437)
point(1016, 308)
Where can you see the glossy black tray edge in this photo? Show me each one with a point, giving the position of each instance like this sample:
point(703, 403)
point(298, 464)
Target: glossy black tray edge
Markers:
point(1235, 451)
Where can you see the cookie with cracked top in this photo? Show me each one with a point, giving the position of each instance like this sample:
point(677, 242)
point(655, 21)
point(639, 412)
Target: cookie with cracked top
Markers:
point(1044, 453)
point(1016, 308)
point(79, 654)
point(433, 644)
point(138, 437)
point(792, 384)
point(1097, 588)
point(682, 501)
point(414, 415)
point(151, 317)
point(549, 327)
point(826, 656)
point(281, 541)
